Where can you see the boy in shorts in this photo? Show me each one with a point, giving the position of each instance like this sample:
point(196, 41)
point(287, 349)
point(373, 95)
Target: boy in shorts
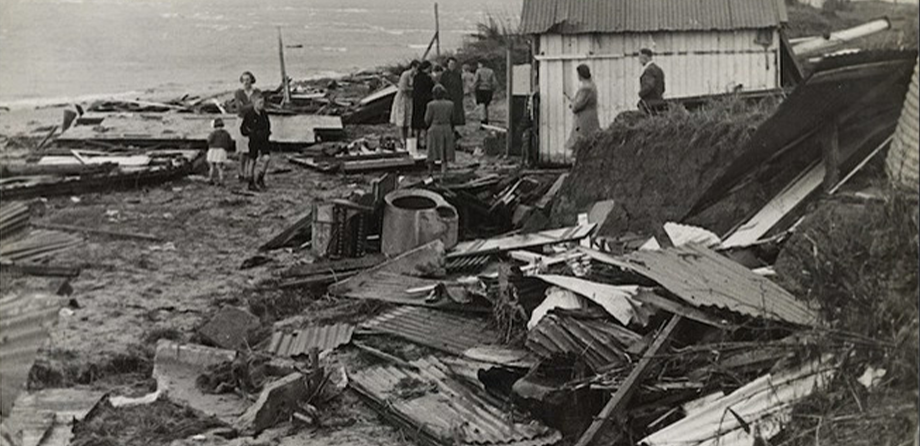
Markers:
point(258, 128)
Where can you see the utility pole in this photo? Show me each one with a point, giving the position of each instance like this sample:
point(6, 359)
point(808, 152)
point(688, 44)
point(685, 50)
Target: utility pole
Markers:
point(285, 85)
point(509, 95)
point(437, 32)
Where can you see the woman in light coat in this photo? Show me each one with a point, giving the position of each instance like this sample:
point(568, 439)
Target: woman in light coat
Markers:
point(401, 112)
point(584, 106)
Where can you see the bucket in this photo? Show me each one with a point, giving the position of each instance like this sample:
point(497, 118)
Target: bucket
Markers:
point(412, 147)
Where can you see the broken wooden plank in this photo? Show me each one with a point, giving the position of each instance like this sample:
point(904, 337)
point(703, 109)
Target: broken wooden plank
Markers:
point(521, 241)
point(38, 269)
point(335, 266)
point(384, 355)
point(677, 308)
point(617, 404)
point(551, 193)
point(277, 402)
point(71, 228)
point(302, 225)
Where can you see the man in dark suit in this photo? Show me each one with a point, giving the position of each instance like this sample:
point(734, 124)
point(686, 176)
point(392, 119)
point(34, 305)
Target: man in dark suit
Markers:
point(651, 82)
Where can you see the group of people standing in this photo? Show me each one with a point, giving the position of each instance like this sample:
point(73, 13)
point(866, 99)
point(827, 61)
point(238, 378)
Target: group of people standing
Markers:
point(254, 151)
point(430, 105)
point(584, 103)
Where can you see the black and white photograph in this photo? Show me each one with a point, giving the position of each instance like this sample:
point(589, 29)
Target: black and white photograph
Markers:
point(459, 222)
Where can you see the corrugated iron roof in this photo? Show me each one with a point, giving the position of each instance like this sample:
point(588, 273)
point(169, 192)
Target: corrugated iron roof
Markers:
point(24, 322)
point(449, 332)
point(325, 338)
point(601, 342)
point(441, 410)
point(46, 417)
point(704, 278)
point(520, 241)
point(619, 16)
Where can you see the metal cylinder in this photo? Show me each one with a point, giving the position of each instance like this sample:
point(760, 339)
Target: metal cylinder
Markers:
point(413, 217)
point(903, 162)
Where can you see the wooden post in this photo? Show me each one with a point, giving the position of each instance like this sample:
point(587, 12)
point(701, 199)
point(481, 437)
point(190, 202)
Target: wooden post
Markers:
point(620, 399)
point(285, 86)
point(509, 96)
point(437, 32)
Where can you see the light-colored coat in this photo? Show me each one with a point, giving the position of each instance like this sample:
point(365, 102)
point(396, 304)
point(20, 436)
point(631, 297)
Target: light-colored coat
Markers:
point(584, 106)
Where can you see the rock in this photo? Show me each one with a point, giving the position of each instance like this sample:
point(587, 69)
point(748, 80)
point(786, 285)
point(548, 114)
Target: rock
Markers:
point(276, 403)
point(229, 328)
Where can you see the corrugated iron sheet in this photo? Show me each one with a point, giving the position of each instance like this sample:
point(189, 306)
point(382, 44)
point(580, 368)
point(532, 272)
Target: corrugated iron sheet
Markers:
point(509, 243)
point(46, 417)
point(24, 323)
point(325, 338)
point(468, 264)
point(449, 332)
point(704, 278)
point(616, 16)
point(764, 404)
point(441, 410)
point(601, 342)
point(903, 163)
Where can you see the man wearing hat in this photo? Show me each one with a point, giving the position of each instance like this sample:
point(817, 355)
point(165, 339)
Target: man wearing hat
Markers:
point(651, 82)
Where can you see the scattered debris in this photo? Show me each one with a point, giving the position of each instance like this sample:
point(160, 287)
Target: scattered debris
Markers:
point(451, 333)
point(46, 417)
point(300, 342)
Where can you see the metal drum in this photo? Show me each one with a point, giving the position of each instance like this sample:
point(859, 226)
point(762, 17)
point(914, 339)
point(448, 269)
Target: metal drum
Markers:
point(413, 217)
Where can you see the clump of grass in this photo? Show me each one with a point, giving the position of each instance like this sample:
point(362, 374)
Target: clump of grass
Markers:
point(858, 263)
point(656, 167)
point(158, 423)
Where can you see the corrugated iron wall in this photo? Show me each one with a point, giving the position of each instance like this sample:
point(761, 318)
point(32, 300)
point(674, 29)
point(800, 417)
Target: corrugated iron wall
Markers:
point(903, 163)
point(695, 63)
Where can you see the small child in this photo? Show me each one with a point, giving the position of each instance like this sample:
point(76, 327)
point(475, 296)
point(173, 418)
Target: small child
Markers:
point(219, 142)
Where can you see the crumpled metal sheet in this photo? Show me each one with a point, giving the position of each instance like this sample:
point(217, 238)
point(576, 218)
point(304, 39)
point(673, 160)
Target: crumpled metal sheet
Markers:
point(441, 410)
point(325, 338)
point(602, 342)
point(703, 278)
point(24, 323)
point(449, 332)
point(46, 417)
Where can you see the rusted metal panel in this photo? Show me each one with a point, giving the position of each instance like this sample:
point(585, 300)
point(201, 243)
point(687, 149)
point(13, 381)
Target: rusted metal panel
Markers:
point(325, 338)
point(440, 410)
point(695, 63)
point(24, 323)
point(603, 343)
point(46, 417)
point(612, 16)
point(449, 332)
point(704, 278)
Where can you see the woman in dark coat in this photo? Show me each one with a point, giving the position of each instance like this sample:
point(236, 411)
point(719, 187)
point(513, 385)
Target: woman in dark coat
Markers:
point(439, 117)
point(584, 106)
point(452, 81)
point(421, 96)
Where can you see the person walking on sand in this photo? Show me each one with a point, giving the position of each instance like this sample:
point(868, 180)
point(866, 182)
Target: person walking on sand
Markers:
point(219, 142)
point(258, 128)
point(584, 106)
point(452, 81)
point(421, 96)
point(242, 99)
point(401, 111)
point(439, 115)
point(651, 82)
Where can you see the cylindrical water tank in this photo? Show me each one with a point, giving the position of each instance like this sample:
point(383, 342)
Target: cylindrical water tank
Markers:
point(413, 217)
point(903, 163)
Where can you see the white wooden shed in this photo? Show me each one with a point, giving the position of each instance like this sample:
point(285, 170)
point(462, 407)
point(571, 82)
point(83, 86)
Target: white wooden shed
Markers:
point(703, 46)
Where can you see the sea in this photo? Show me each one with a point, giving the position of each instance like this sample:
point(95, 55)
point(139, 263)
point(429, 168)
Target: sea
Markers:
point(54, 51)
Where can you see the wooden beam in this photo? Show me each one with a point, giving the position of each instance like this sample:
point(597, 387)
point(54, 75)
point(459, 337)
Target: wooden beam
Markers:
point(70, 228)
point(614, 408)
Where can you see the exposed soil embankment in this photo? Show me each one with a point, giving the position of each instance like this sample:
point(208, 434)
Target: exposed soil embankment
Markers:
point(655, 168)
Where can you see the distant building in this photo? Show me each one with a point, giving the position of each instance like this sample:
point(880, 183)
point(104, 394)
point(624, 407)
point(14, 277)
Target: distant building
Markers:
point(703, 46)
